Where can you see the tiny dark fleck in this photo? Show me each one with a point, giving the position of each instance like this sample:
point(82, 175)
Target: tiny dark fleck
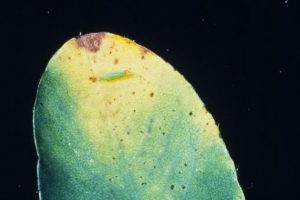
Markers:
point(121, 140)
point(183, 187)
point(164, 133)
point(116, 61)
point(207, 123)
point(141, 131)
point(109, 179)
point(154, 166)
point(172, 187)
point(143, 57)
point(185, 165)
point(173, 110)
point(116, 176)
point(41, 104)
point(133, 93)
point(110, 52)
point(134, 110)
point(114, 158)
point(115, 99)
point(143, 183)
point(141, 176)
point(191, 113)
point(93, 79)
point(69, 58)
point(128, 133)
point(179, 172)
point(151, 94)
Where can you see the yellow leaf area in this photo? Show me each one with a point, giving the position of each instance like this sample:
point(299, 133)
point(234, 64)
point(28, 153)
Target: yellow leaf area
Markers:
point(128, 101)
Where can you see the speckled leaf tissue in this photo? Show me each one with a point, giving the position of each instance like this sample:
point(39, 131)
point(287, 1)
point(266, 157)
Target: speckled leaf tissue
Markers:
point(113, 120)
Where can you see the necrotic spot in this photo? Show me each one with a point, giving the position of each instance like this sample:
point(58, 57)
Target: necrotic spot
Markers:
point(116, 61)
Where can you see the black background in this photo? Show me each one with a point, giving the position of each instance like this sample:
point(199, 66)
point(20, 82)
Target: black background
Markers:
point(240, 56)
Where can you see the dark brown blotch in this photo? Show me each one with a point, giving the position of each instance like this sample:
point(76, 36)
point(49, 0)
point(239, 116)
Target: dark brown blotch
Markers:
point(91, 41)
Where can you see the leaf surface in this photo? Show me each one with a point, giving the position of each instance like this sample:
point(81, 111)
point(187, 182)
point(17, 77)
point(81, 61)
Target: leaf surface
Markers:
point(113, 120)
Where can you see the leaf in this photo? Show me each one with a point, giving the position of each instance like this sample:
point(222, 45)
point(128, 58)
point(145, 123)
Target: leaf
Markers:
point(112, 120)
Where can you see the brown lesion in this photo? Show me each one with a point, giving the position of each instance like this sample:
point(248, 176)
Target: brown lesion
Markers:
point(116, 61)
point(91, 41)
point(93, 79)
point(144, 52)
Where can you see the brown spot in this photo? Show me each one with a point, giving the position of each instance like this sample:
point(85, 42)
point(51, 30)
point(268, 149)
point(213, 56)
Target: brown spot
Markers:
point(151, 94)
point(69, 58)
point(116, 61)
point(91, 41)
point(93, 79)
point(144, 51)
point(133, 93)
point(191, 113)
point(112, 46)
